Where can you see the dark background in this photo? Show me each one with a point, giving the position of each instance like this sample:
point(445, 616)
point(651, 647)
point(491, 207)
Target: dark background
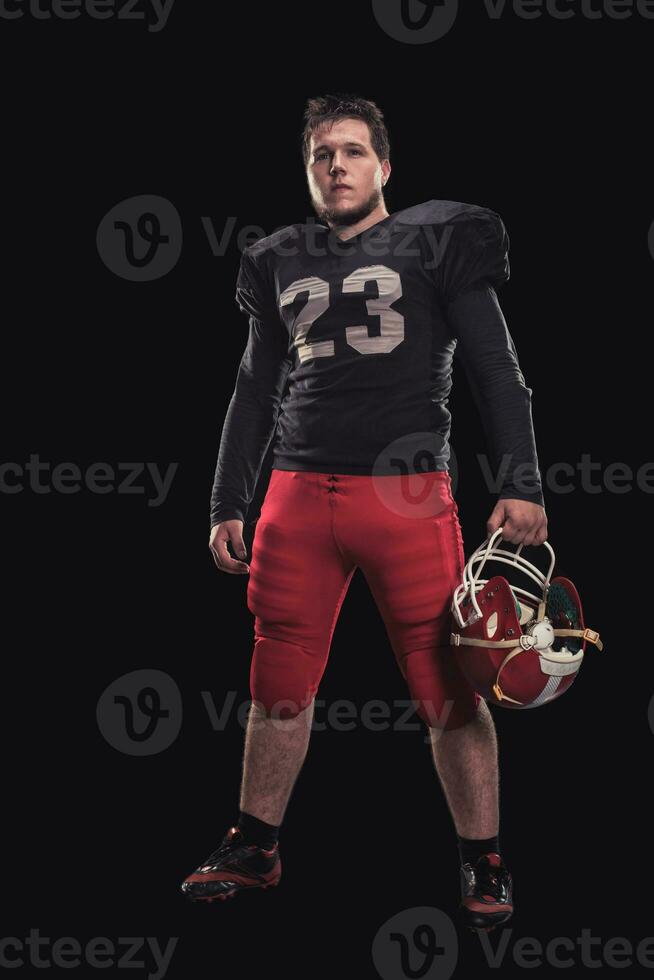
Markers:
point(547, 122)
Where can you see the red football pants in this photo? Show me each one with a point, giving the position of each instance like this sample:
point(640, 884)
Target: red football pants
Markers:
point(315, 529)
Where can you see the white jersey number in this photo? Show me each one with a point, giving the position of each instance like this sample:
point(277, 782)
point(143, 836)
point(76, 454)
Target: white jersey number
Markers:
point(391, 322)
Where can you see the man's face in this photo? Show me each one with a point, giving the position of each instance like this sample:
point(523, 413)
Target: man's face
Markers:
point(342, 154)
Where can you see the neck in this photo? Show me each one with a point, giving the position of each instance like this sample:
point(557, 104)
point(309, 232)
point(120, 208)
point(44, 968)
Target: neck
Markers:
point(348, 231)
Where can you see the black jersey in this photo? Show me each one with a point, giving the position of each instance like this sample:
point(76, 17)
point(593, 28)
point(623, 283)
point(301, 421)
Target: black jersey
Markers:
point(348, 363)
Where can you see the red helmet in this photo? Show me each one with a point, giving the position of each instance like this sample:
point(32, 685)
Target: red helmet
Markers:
point(534, 644)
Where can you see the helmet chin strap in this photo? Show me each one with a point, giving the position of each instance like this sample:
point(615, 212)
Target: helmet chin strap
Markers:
point(527, 642)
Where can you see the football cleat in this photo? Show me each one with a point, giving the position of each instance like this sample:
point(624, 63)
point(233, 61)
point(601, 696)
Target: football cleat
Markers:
point(486, 893)
point(233, 867)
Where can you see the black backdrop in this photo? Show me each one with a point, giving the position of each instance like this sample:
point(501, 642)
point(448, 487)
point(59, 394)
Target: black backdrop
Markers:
point(546, 120)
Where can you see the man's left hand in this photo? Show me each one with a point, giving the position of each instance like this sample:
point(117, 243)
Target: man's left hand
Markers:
point(524, 522)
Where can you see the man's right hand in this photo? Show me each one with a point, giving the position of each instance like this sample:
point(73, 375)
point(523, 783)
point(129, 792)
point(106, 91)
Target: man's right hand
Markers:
point(220, 535)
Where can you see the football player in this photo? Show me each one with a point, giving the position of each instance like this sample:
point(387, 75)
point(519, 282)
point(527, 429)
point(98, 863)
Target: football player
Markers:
point(354, 318)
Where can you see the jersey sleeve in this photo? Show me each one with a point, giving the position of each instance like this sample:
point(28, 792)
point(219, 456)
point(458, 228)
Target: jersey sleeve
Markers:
point(476, 251)
point(475, 262)
point(254, 290)
point(252, 413)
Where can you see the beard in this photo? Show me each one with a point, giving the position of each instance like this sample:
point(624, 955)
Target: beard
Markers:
point(348, 216)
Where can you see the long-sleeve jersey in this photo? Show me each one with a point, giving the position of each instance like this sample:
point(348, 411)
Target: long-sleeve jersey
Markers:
point(348, 363)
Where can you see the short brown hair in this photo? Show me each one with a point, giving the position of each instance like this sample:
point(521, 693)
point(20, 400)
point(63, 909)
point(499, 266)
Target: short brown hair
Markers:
point(329, 108)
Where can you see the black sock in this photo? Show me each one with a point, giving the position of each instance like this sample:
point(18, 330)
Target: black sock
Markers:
point(257, 831)
point(470, 850)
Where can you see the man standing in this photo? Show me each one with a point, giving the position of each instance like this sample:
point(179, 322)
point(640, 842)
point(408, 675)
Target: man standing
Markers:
point(353, 324)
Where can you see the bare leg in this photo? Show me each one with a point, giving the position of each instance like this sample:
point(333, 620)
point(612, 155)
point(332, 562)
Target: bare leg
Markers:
point(466, 763)
point(273, 756)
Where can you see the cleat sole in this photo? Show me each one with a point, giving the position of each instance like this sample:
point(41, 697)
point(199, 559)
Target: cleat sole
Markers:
point(230, 894)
